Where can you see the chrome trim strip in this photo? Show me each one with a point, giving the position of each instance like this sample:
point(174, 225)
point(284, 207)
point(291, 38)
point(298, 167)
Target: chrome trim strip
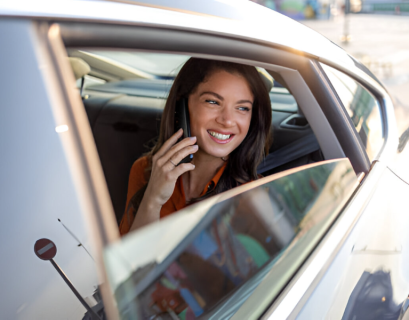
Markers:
point(297, 292)
point(361, 177)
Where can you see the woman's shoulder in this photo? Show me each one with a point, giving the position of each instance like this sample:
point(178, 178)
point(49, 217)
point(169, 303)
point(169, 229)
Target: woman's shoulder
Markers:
point(138, 170)
point(142, 162)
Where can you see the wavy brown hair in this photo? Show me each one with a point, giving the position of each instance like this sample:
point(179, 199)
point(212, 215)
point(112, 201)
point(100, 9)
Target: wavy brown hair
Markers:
point(243, 161)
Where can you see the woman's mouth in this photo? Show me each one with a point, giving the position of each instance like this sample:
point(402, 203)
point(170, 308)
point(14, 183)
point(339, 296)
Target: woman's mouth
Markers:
point(220, 137)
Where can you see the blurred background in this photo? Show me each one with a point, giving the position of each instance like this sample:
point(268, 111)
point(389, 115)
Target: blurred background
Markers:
point(376, 32)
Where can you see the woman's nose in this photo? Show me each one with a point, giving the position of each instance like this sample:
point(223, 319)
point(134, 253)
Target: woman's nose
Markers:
point(225, 117)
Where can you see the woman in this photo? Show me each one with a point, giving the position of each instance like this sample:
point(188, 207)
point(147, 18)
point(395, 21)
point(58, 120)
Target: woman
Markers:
point(230, 121)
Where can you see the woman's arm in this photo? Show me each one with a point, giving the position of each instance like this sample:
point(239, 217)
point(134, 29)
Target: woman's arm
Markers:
point(136, 183)
point(163, 177)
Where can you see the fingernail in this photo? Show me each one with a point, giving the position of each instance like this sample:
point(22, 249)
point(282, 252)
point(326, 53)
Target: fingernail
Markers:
point(193, 166)
point(192, 138)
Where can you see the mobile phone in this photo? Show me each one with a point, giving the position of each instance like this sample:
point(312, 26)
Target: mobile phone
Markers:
point(182, 120)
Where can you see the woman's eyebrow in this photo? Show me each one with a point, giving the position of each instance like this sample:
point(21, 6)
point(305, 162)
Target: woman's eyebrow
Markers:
point(218, 96)
point(245, 101)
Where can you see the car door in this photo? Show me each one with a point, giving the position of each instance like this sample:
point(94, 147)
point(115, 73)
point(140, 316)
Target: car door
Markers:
point(295, 70)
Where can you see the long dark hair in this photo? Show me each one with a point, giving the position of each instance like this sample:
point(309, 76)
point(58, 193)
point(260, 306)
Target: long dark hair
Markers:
point(243, 161)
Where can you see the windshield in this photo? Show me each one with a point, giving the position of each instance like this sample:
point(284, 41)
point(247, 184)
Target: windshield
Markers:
point(207, 260)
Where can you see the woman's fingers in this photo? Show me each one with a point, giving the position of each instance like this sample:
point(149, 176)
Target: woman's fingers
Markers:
point(169, 143)
point(181, 154)
point(165, 169)
point(174, 149)
point(181, 169)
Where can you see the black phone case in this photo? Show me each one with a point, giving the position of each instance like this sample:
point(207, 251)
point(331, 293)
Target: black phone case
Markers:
point(182, 120)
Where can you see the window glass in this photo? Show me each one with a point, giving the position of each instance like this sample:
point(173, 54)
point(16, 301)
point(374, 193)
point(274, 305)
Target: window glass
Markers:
point(362, 107)
point(208, 259)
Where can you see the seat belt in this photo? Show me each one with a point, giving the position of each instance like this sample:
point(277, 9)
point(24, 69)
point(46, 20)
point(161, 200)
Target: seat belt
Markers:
point(290, 152)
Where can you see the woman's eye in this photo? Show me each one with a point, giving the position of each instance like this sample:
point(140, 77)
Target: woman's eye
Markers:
point(211, 101)
point(244, 109)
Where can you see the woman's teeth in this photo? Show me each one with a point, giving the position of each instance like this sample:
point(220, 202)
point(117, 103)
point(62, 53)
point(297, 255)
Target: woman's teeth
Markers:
point(219, 135)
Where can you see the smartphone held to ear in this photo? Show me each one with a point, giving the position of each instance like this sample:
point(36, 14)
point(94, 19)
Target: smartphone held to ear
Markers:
point(182, 120)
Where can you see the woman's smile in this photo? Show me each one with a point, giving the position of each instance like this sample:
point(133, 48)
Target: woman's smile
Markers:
point(221, 137)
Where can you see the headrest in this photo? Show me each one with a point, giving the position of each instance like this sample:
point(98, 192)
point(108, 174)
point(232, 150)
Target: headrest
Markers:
point(267, 78)
point(79, 67)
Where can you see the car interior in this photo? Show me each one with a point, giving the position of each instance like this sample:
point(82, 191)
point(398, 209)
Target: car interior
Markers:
point(124, 106)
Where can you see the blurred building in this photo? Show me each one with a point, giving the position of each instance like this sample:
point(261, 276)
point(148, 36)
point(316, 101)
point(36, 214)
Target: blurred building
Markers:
point(301, 9)
point(326, 9)
point(385, 7)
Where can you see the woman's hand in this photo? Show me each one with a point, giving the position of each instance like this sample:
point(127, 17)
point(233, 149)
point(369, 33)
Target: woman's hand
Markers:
point(165, 171)
point(164, 175)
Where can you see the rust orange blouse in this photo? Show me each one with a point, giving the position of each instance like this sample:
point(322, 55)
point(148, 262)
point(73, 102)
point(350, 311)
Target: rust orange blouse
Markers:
point(138, 178)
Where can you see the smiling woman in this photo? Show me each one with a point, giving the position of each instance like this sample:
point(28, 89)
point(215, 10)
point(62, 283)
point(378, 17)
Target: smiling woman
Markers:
point(230, 121)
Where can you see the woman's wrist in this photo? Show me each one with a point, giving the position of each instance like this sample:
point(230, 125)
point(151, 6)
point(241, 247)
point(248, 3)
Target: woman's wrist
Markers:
point(148, 212)
point(153, 206)
point(151, 202)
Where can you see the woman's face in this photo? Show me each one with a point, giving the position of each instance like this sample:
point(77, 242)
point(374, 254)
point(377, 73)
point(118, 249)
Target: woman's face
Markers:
point(220, 113)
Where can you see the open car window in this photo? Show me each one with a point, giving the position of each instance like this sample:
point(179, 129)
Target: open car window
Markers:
point(124, 93)
point(232, 254)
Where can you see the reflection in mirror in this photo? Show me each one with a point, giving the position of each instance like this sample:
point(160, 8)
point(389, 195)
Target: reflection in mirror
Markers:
point(206, 260)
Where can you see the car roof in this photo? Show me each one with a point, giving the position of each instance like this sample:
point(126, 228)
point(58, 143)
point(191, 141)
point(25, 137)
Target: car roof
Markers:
point(239, 18)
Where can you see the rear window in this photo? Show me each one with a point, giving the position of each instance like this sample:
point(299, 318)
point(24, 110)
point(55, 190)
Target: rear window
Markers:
point(362, 107)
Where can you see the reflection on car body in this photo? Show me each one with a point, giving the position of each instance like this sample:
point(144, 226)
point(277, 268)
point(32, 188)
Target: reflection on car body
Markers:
point(233, 247)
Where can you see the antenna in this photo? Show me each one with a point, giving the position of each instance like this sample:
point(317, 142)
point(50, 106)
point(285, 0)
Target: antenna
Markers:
point(79, 242)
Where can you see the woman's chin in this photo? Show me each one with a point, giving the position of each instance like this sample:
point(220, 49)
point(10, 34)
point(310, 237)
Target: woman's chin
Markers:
point(217, 153)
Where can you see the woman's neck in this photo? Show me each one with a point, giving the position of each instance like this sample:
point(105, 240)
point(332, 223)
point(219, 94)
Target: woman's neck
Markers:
point(206, 167)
